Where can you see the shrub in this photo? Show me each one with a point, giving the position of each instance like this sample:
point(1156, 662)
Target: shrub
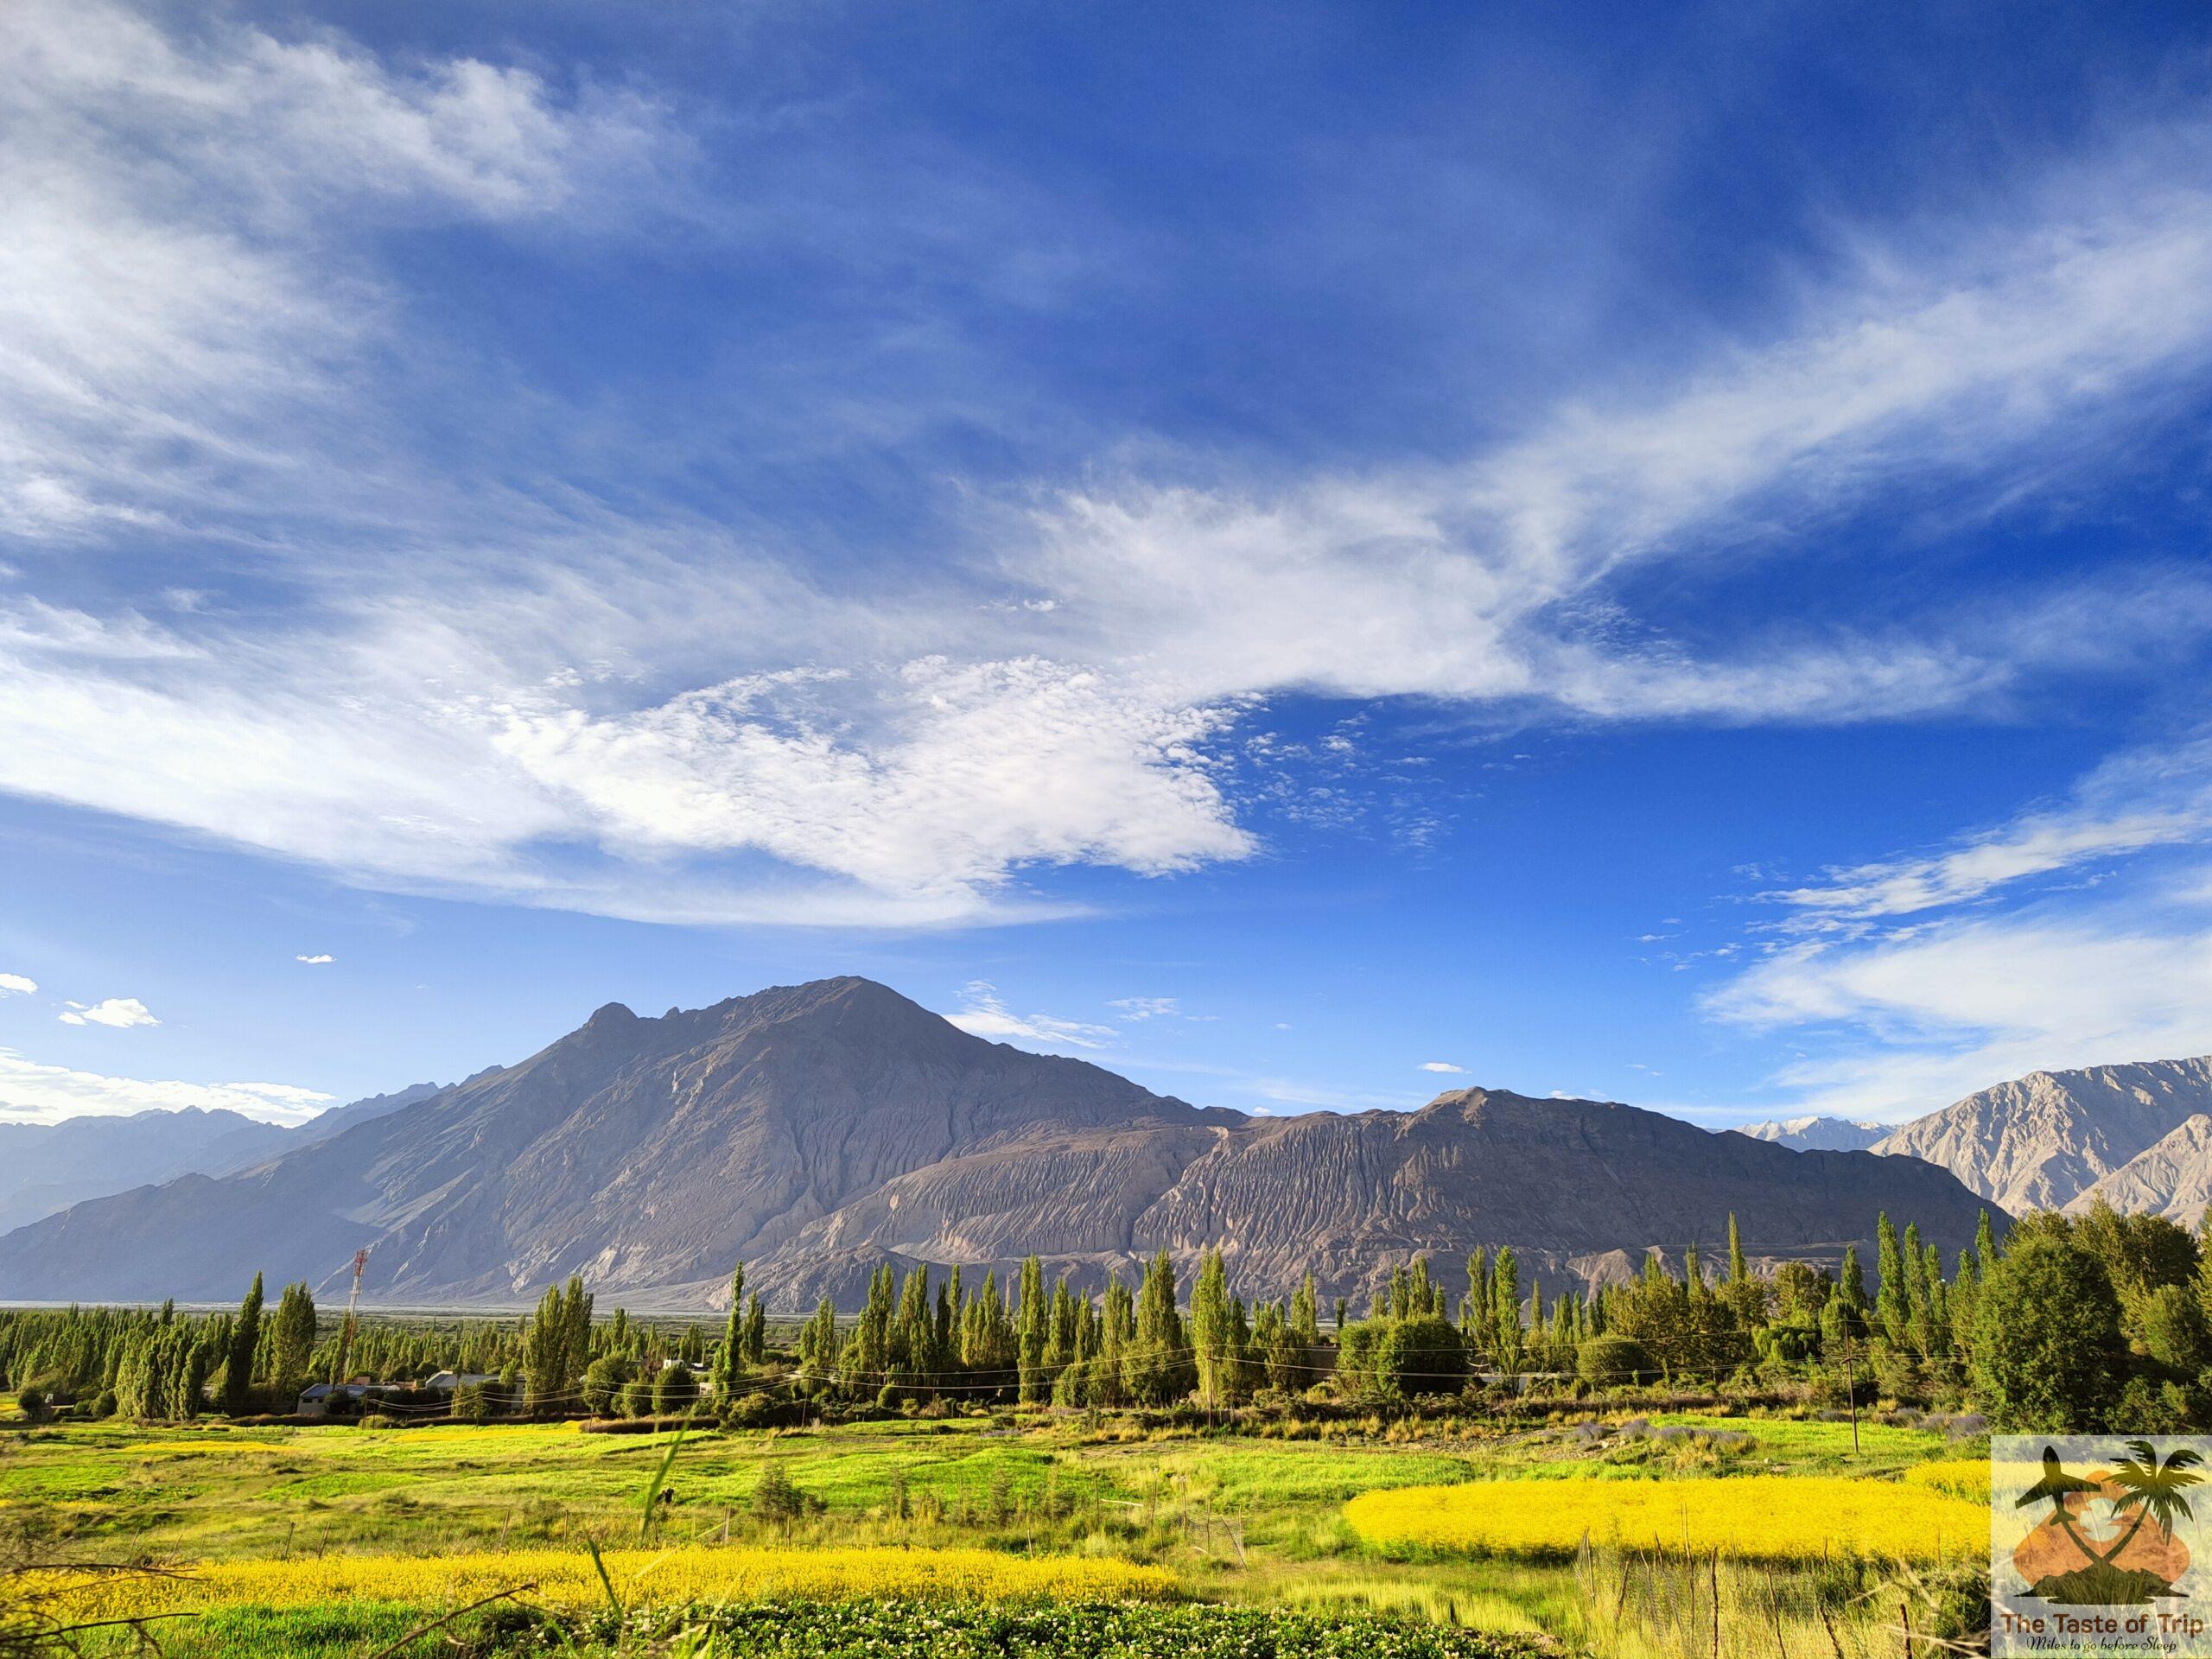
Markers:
point(32, 1403)
point(603, 1382)
point(1421, 1357)
point(2048, 1355)
point(676, 1390)
point(2174, 1330)
point(637, 1399)
point(775, 1499)
point(1608, 1360)
point(766, 1411)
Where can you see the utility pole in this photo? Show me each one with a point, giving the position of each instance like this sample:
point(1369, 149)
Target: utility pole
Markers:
point(352, 1300)
point(1849, 1382)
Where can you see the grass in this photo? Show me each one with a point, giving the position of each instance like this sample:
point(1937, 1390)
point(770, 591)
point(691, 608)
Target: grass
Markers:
point(1245, 1520)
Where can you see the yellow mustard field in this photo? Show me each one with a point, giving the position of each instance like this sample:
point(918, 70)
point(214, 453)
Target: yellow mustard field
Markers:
point(566, 1579)
point(1965, 1478)
point(1768, 1517)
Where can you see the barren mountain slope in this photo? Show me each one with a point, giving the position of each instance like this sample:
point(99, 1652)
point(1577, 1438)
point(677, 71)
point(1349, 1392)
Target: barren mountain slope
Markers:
point(2038, 1141)
point(817, 1131)
point(638, 1152)
point(2172, 1179)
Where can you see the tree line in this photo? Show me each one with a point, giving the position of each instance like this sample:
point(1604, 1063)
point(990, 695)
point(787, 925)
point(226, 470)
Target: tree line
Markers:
point(2069, 1324)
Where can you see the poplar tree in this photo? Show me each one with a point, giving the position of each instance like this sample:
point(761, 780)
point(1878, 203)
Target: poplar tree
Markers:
point(1033, 1318)
point(246, 1338)
point(732, 1353)
point(1505, 1312)
point(1157, 1369)
point(1892, 1311)
point(1211, 1347)
point(294, 1334)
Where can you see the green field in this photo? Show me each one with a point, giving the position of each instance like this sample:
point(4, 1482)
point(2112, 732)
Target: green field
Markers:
point(1241, 1519)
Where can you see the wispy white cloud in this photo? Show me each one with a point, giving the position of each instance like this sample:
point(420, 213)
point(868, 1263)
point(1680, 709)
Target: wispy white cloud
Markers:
point(31, 1092)
point(192, 306)
point(2135, 801)
point(175, 209)
point(121, 1012)
point(1442, 1065)
point(984, 1014)
point(1135, 1008)
point(316, 961)
point(1913, 980)
point(16, 985)
point(1915, 1021)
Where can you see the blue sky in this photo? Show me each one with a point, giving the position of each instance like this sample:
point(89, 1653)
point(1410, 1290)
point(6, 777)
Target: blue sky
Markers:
point(1309, 555)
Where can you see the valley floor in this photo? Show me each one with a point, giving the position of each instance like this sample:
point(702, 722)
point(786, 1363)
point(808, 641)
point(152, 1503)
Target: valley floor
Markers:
point(331, 1539)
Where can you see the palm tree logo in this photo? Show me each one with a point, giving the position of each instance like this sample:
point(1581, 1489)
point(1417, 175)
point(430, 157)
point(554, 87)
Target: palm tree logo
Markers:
point(2142, 1489)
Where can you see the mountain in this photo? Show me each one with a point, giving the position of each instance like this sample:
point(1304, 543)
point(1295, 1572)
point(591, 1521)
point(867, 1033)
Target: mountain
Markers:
point(2042, 1140)
point(46, 1167)
point(339, 1119)
point(2173, 1178)
point(1816, 1134)
point(816, 1131)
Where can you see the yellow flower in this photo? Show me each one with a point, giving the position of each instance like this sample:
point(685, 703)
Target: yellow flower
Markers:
point(566, 1579)
point(1774, 1517)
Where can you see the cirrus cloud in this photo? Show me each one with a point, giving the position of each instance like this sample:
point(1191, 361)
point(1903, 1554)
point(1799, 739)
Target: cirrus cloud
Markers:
point(120, 1011)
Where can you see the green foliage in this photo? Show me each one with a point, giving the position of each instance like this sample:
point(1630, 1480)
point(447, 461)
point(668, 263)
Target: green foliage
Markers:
point(1610, 1360)
point(675, 1389)
point(864, 1630)
point(732, 1357)
point(238, 1371)
point(603, 1381)
point(2049, 1357)
point(776, 1499)
point(1157, 1368)
point(2170, 1322)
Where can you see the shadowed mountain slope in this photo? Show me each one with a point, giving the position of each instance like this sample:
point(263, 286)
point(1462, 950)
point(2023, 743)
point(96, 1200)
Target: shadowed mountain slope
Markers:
point(815, 1131)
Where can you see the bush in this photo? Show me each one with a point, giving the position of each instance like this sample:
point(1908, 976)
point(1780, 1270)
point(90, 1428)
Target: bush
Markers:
point(32, 1403)
point(775, 1499)
point(2048, 1355)
point(766, 1411)
point(1605, 1361)
point(2174, 1330)
point(637, 1399)
point(1421, 1357)
point(676, 1391)
point(604, 1379)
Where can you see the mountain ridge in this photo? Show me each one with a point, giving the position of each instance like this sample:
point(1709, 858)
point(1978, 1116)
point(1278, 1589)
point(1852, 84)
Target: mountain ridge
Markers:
point(816, 1131)
point(2042, 1140)
point(1817, 1134)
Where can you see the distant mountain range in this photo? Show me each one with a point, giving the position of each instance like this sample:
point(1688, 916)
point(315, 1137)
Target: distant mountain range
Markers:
point(1817, 1134)
point(818, 1131)
point(46, 1167)
point(2138, 1137)
point(2059, 1140)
